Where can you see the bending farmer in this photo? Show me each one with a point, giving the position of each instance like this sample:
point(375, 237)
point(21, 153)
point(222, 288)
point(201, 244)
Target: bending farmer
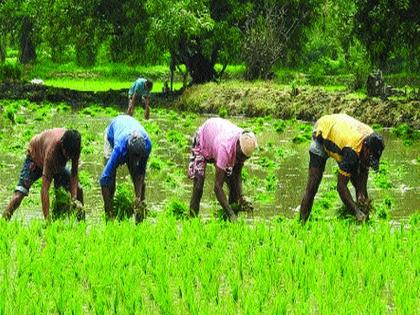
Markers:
point(47, 156)
point(355, 147)
point(126, 141)
point(141, 88)
point(226, 145)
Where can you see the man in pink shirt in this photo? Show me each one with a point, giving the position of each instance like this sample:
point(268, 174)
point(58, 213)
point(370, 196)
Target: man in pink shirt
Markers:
point(47, 155)
point(226, 145)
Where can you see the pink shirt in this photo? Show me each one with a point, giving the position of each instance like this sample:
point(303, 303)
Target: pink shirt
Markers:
point(218, 138)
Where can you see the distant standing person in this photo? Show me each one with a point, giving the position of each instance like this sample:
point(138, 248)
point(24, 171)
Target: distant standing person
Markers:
point(226, 145)
point(355, 147)
point(140, 89)
point(47, 156)
point(126, 142)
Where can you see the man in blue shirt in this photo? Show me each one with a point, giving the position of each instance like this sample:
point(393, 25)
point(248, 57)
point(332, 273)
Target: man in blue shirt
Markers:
point(126, 142)
point(140, 88)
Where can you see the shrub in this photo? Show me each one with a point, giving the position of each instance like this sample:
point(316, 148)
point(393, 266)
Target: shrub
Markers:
point(10, 72)
point(123, 201)
point(177, 208)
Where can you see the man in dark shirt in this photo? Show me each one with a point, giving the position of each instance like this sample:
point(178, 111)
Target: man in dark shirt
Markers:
point(47, 156)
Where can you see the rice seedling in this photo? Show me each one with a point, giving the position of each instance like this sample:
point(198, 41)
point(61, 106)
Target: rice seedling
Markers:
point(218, 267)
point(407, 133)
point(177, 208)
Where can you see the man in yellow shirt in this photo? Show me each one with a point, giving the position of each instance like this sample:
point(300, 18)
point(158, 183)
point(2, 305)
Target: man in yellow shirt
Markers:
point(355, 147)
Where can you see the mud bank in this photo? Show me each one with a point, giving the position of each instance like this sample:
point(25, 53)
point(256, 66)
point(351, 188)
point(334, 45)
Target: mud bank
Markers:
point(309, 104)
point(41, 93)
point(249, 99)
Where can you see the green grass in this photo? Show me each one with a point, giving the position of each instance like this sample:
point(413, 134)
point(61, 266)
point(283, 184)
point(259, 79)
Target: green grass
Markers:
point(193, 267)
point(102, 84)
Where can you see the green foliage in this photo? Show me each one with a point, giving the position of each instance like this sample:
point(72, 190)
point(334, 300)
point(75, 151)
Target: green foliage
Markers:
point(407, 133)
point(381, 178)
point(10, 72)
point(196, 30)
point(63, 206)
point(61, 203)
point(123, 205)
point(387, 28)
point(305, 133)
point(223, 112)
point(359, 65)
point(173, 267)
point(383, 210)
point(177, 208)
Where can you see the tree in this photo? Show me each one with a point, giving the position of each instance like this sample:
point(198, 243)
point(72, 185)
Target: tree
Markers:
point(18, 20)
point(197, 33)
point(299, 15)
point(128, 27)
point(387, 27)
point(266, 34)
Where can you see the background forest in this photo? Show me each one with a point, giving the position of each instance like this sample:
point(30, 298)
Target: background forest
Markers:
point(205, 37)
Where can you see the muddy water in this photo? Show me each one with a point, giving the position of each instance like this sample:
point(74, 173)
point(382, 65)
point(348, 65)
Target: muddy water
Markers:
point(285, 161)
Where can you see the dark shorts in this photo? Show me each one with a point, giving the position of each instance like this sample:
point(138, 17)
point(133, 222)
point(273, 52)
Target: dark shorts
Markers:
point(30, 173)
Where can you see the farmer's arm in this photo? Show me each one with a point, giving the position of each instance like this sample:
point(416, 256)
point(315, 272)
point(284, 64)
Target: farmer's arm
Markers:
point(346, 197)
point(237, 180)
point(147, 108)
point(74, 176)
point(139, 187)
point(45, 200)
point(220, 195)
point(361, 185)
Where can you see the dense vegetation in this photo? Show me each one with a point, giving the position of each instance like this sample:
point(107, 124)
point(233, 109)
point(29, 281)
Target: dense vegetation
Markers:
point(322, 37)
point(192, 267)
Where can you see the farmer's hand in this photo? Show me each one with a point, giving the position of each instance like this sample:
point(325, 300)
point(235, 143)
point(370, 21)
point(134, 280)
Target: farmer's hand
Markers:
point(245, 205)
point(77, 207)
point(140, 209)
point(233, 217)
point(76, 204)
point(360, 216)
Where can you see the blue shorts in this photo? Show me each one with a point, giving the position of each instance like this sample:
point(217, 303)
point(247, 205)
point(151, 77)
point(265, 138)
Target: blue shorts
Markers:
point(30, 173)
point(318, 149)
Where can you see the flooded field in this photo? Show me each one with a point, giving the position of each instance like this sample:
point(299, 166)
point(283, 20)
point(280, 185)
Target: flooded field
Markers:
point(274, 178)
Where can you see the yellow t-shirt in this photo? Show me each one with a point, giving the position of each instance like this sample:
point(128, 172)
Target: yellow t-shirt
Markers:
point(342, 138)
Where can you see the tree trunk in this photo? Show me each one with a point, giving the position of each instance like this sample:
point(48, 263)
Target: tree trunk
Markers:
point(2, 49)
point(27, 47)
point(201, 69)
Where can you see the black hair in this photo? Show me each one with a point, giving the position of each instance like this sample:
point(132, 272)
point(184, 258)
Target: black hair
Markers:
point(137, 146)
point(375, 144)
point(149, 84)
point(71, 141)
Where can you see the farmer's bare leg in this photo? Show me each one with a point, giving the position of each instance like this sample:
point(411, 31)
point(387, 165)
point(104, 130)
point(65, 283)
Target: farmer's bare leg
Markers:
point(196, 195)
point(316, 170)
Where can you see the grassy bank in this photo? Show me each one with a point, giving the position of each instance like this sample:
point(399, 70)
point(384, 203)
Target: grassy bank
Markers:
point(301, 102)
point(98, 85)
point(193, 267)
